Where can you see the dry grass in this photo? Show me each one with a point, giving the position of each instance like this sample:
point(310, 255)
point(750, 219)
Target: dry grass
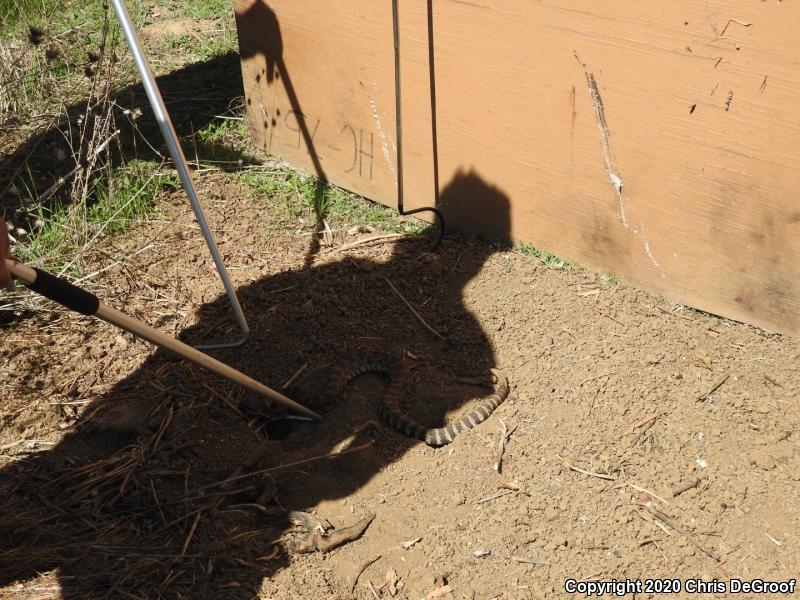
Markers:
point(58, 98)
point(70, 125)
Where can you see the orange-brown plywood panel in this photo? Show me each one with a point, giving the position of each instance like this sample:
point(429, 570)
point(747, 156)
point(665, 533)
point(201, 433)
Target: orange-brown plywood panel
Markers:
point(656, 140)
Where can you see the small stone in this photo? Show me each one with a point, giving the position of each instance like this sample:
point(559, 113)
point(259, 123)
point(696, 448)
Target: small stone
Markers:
point(121, 343)
point(559, 542)
point(764, 461)
point(550, 514)
point(763, 407)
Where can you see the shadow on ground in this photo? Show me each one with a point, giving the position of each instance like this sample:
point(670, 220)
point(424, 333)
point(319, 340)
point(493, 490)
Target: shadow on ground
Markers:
point(134, 502)
point(194, 96)
point(130, 504)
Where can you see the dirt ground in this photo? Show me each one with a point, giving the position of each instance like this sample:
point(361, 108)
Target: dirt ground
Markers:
point(645, 439)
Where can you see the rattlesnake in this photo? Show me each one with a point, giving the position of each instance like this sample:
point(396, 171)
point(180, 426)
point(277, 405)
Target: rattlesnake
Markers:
point(391, 410)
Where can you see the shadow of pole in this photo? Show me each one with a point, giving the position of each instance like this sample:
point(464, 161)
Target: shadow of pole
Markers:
point(260, 34)
point(322, 178)
point(270, 45)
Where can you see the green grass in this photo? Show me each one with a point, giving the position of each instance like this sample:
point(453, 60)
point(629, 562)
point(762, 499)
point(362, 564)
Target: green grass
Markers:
point(181, 48)
point(44, 54)
point(609, 279)
point(41, 78)
point(56, 19)
point(205, 9)
point(183, 45)
point(304, 195)
point(126, 200)
point(130, 196)
point(119, 198)
point(14, 11)
point(38, 78)
point(222, 143)
point(199, 44)
point(550, 260)
point(220, 131)
point(53, 241)
point(194, 9)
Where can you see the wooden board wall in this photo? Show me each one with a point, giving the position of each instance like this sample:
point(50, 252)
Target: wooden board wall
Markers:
point(656, 140)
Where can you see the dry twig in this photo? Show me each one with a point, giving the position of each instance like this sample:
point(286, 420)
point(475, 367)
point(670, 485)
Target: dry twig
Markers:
point(501, 446)
point(591, 473)
point(45, 196)
point(687, 486)
point(387, 237)
point(495, 497)
point(648, 492)
point(668, 521)
point(286, 466)
point(191, 534)
point(361, 569)
point(411, 308)
point(529, 561)
point(704, 396)
point(316, 542)
point(588, 379)
point(646, 421)
point(294, 377)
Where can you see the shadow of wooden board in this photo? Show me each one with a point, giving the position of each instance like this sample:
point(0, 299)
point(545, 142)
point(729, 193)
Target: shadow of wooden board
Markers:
point(656, 140)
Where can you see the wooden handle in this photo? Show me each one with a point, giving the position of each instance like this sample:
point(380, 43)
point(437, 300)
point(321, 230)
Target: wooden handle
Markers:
point(87, 303)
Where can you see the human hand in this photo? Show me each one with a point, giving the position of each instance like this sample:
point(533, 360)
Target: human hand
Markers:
point(5, 274)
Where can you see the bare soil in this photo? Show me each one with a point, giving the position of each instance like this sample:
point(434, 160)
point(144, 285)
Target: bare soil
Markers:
point(110, 451)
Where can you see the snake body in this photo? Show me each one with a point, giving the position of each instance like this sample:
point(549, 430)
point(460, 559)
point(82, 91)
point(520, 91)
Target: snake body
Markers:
point(391, 410)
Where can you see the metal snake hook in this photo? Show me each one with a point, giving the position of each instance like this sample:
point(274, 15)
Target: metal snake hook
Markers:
point(399, 135)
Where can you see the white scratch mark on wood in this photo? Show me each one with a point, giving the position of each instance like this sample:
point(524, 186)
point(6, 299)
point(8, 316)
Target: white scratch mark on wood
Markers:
point(608, 160)
point(384, 138)
point(605, 144)
point(648, 250)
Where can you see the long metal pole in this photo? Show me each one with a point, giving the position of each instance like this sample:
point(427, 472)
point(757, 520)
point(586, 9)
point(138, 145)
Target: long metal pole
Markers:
point(176, 152)
point(399, 133)
point(398, 105)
